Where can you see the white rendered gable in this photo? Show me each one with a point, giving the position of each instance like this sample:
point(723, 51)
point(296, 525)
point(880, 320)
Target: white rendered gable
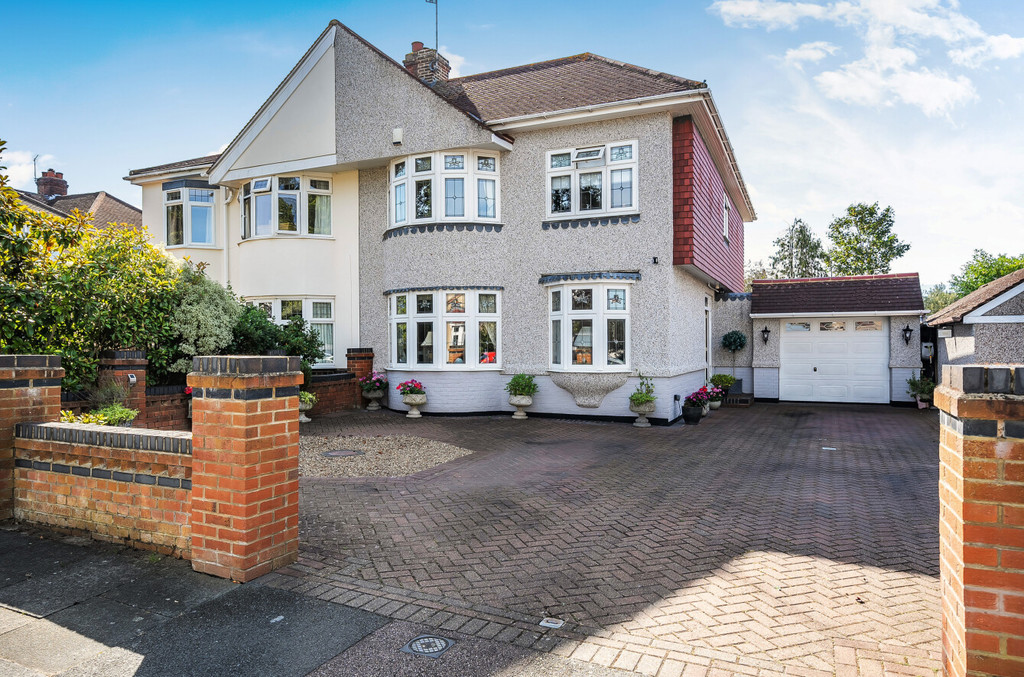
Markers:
point(978, 316)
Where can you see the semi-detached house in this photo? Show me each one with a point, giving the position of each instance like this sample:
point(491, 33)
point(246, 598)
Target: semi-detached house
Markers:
point(571, 219)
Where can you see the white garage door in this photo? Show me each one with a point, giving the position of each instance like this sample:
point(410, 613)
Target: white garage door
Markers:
point(835, 360)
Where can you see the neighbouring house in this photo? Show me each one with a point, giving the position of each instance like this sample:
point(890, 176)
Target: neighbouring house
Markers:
point(832, 339)
point(984, 327)
point(52, 197)
point(571, 219)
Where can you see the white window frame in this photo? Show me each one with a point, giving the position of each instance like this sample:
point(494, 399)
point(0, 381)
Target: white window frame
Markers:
point(599, 315)
point(270, 186)
point(470, 173)
point(439, 319)
point(725, 217)
point(186, 217)
point(603, 164)
point(307, 314)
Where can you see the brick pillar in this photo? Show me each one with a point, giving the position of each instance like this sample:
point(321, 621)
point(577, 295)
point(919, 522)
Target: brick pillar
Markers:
point(245, 464)
point(981, 490)
point(360, 361)
point(121, 363)
point(29, 392)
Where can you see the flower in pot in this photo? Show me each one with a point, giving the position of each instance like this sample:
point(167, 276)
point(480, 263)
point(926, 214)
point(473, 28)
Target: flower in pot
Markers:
point(521, 389)
point(374, 384)
point(306, 402)
point(413, 395)
point(723, 382)
point(922, 389)
point(693, 406)
point(641, 401)
point(715, 397)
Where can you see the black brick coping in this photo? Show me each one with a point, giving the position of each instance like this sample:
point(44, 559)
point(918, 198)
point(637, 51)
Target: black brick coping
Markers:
point(359, 351)
point(979, 427)
point(585, 223)
point(123, 355)
point(442, 228)
point(1007, 379)
point(244, 393)
point(244, 364)
point(336, 377)
point(170, 441)
point(14, 361)
point(102, 474)
point(164, 390)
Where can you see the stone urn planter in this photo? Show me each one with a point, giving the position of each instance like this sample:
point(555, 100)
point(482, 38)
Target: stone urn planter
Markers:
point(373, 396)
point(641, 411)
point(519, 402)
point(303, 408)
point(693, 415)
point(414, 401)
point(715, 404)
point(705, 410)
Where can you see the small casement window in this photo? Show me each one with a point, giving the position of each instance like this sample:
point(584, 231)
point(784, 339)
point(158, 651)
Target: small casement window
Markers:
point(589, 327)
point(798, 326)
point(445, 186)
point(286, 205)
point(450, 329)
point(725, 218)
point(868, 325)
point(174, 218)
point(318, 312)
point(188, 216)
point(831, 326)
point(592, 180)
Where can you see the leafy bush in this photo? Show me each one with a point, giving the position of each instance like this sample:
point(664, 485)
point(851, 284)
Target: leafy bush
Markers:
point(922, 388)
point(521, 385)
point(644, 393)
point(734, 340)
point(254, 333)
point(108, 390)
point(204, 318)
point(723, 381)
point(116, 414)
point(306, 397)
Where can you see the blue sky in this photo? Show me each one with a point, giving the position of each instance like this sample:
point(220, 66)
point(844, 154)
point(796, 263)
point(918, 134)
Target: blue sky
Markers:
point(912, 103)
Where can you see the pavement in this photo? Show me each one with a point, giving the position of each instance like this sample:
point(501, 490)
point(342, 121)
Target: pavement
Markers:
point(779, 539)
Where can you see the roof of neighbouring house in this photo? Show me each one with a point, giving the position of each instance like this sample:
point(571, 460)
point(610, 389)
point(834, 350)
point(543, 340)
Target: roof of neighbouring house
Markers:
point(894, 294)
point(560, 84)
point(956, 310)
point(180, 164)
point(104, 207)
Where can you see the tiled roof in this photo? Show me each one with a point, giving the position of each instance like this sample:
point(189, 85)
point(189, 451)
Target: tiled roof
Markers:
point(105, 208)
point(36, 202)
point(955, 311)
point(181, 164)
point(571, 82)
point(882, 294)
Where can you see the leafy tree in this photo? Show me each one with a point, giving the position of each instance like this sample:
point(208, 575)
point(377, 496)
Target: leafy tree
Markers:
point(982, 269)
point(254, 333)
point(754, 270)
point(798, 253)
point(938, 297)
point(204, 317)
point(863, 242)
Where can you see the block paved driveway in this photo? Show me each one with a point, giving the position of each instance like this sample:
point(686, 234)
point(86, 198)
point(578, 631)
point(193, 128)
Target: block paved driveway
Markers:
point(779, 539)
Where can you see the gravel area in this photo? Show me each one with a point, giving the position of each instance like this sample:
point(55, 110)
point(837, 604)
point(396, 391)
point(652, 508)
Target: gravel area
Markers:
point(383, 455)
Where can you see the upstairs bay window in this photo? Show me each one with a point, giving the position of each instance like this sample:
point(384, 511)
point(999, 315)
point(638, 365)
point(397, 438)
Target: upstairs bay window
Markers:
point(447, 329)
point(286, 205)
point(592, 180)
point(447, 186)
point(188, 217)
point(589, 327)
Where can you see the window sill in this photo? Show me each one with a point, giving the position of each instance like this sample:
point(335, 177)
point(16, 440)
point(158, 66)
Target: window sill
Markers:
point(556, 223)
point(285, 236)
point(172, 247)
point(442, 226)
point(590, 370)
point(447, 367)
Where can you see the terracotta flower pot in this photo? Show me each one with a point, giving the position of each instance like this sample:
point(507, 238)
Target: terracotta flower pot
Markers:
point(520, 401)
point(642, 410)
point(414, 401)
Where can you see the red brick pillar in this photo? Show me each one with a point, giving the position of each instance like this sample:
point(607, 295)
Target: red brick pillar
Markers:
point(981, 491)
point(29, 392)
point(245, 464)
point(122, 364)
point(360, 361)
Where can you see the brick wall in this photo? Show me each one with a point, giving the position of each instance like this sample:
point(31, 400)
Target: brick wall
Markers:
point(166, 409)
point(335, 392)
point(118, 484)
point(981, 491)
point(697, 211)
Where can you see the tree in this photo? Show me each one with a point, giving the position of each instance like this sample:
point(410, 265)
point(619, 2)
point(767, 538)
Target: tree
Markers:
point(938, 297)
point(798, 253)
point(863, 242)
point(754, 270)
point(982, 269)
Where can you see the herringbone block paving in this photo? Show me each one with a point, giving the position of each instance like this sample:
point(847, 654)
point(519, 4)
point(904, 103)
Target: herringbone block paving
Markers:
point(779, 539)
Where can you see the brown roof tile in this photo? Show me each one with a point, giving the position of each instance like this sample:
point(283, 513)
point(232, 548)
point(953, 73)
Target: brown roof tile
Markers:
point(105, 208)
point(181, 164)
point(571, 82)
point(883, 294)
point(955, 311)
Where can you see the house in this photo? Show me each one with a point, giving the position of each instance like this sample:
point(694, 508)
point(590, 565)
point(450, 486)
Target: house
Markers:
point(51, 197)
point(832, 339)
point(984, 327)
point(571, 219)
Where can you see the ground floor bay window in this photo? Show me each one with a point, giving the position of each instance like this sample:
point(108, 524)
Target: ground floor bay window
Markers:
point(589, 325)
point(317, 312)
point(457, 329)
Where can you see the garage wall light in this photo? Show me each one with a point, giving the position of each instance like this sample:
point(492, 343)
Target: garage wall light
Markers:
point(908, 334)
point(765, 333)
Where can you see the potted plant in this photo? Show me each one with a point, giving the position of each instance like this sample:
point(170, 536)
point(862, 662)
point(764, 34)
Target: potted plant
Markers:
point(117, 414)
point(521, 389)
point(306, 402)
point(693, 406)
point(413, 395)
point(641, 401)
point(715, 397)
point(922, 389)
point(735, 341)
point(374, 384)
point(723, 382)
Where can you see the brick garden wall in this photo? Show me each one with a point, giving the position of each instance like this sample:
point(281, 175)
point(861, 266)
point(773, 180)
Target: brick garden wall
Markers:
point(335, 392)
point(167, 408)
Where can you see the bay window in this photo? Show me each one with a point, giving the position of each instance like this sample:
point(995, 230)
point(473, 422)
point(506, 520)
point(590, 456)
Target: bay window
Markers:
point(188, 216)
point(451, 186)
point(286, 205)
point(317, 312)
point(592, 180)
point(450, 328)
point(589, 325)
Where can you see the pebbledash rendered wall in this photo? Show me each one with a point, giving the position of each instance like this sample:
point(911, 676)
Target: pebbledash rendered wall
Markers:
point(667, 311)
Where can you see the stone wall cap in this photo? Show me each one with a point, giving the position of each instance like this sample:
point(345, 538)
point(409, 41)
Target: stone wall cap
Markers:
point(985, 379)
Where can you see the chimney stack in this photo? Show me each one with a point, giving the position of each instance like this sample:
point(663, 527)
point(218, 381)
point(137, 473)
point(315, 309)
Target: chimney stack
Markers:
point(51, 183)
point(427, 64)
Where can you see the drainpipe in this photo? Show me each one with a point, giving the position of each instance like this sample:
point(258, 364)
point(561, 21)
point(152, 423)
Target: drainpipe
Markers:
point(229, 194)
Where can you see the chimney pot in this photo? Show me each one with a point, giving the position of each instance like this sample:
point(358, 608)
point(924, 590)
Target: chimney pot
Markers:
point(417, 46)
point(51, 183)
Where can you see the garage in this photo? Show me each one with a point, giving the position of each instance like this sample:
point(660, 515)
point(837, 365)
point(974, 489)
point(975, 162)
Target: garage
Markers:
point(842, 359)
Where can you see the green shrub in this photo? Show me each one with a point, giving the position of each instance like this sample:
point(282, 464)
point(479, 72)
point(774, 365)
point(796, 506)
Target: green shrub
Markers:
point(254, 333)
point(644, 393)
point(922, 388)
point(306, 397)
point(734, 340)
point(116, 414)
point(521, 385)
point(204, 317)
point(723, 381)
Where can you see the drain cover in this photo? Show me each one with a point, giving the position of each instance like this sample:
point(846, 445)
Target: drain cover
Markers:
point(552, 623)
point(334, 453)
point(430, 646)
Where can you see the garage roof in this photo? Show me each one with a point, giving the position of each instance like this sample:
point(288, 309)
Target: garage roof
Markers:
point(897, 294)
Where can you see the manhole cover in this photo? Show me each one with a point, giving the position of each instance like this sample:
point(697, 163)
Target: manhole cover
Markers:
point(335, 453)
point(430, 646)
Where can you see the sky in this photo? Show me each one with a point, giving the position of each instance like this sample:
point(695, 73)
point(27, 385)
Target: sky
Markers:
point(917, 104)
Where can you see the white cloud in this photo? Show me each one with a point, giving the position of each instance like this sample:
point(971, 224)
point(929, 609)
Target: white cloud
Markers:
point(769, 13)
point(993, 47)
point(810, 51)
point(457, 62)
point(223, 147)
point(19, 167)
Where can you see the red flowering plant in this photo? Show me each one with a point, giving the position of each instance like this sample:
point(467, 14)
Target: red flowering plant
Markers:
point(697, 398)
point(375, 380)
point(188, 390)
point(411, 387)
